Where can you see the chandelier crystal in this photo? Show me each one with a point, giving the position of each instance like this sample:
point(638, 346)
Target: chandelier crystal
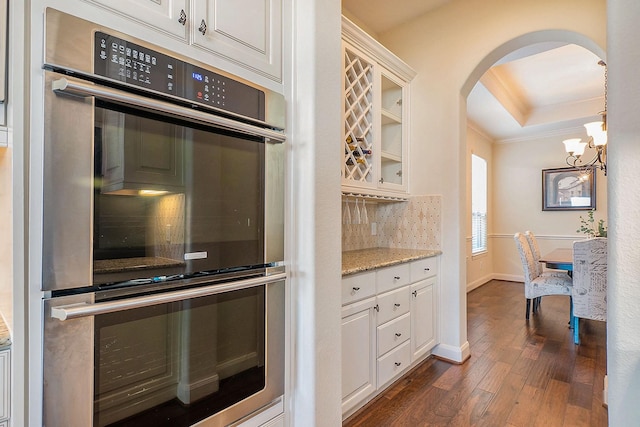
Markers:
point(597, 132)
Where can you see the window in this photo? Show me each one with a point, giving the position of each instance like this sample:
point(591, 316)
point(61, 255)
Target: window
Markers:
point(478, 204)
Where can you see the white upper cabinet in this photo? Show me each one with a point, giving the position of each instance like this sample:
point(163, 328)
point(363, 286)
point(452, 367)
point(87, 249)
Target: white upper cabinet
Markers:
point(376, 89)
point(168, 16)
point(248, 32)
point(244, 32)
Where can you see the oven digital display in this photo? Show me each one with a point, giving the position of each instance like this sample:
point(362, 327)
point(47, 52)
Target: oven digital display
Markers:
point(132, 63)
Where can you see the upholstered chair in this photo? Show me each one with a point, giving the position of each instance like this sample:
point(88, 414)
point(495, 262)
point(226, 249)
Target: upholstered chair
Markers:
point(533, 243)
point(536, 285)
point(589, 282)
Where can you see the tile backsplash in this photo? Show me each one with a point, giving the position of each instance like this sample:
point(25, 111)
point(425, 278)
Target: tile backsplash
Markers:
point(415, 224)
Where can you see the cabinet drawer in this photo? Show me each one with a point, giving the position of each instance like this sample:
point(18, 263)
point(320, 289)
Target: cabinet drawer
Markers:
point(423, 268)
point(393, 363)
point(393, 333)
point(393, 304)
point(392, 277)
point(358, 286)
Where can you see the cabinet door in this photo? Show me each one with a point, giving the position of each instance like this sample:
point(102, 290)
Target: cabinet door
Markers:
point(423, 327)
point(5, 384)
point(247, 32)
point(168, 16)
point(358, 353)
point(393, 153)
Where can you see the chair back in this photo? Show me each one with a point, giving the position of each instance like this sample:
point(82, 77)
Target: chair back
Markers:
point(526, 256)
point(535, 249)
point(589, 291)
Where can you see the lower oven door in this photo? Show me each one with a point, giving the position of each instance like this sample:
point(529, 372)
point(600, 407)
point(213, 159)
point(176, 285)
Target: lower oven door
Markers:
point(212, 353)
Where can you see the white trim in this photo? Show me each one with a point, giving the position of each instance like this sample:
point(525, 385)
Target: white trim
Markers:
point(356, 36)
point(540, 237)
point(479, 282)
point(454, 354)
point(556, 133)
point(508, 277)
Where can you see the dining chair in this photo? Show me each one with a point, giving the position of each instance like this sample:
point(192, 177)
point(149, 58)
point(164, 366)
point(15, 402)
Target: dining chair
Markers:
point(589, 291)
point(535, 284)
point(535, 249)
point(533, 243)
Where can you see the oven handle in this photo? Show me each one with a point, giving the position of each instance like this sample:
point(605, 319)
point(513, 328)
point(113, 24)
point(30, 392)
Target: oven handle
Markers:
point(74, 311)
point(84, 90)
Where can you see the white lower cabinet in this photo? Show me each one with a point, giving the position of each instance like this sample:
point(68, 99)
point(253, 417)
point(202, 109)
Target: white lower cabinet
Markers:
point(386, 328)
point(423, 320)
point(358, 352)
point(5, 386)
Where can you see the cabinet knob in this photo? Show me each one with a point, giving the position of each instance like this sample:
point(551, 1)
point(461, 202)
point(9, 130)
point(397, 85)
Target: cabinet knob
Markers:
point(398, 334)
point(398, 363)
point(376, 308)
point(381, 180)
point(355, 289)
point(183, 17)
point(396, 277)
point(396, 305)
point(415, 293)
point(203, 27)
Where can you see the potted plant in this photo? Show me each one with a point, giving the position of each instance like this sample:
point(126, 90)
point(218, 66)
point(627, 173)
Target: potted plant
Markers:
point(590, 227)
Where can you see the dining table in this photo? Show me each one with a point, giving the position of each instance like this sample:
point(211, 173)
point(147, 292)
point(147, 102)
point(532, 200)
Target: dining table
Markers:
point(559, 259)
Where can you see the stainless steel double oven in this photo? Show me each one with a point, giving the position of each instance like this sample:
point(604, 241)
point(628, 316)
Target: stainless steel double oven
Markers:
point(163, 261)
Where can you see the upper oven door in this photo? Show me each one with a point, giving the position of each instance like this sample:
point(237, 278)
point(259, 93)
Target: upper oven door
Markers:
point(138, 189)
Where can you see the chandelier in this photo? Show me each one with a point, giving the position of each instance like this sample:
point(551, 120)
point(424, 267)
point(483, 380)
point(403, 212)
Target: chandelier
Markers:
point(597, 132)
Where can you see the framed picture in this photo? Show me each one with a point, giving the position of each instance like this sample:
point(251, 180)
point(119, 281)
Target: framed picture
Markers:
point(568, 189)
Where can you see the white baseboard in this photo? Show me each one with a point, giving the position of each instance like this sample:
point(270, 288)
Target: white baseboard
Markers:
point(452, 353)
point(486, 279)
point(509, 277)
point(477, 283)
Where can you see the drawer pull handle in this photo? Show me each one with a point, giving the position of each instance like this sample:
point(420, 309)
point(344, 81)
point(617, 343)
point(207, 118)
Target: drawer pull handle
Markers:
point(376, 308)
point(203, 27)
point(398, 363)
point(415, 293)
point(396, 277)
point(183, 17)
point(396, 305)
point(398, 334)
point(355, 289)
point(427, 269)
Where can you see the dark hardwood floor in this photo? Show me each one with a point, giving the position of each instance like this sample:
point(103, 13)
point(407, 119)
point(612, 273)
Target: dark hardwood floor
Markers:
point(519, 374)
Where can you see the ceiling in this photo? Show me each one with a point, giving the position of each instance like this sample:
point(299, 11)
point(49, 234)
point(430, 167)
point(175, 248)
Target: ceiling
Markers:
point(546, 89)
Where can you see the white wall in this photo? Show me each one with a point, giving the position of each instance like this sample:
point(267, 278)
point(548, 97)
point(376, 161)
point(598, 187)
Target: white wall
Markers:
point(450, 49)
point(517, 201)
point(623, 327)
point(314, 104)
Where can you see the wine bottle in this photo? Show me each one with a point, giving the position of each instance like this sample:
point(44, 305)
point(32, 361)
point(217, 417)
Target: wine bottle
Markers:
point(358, 160)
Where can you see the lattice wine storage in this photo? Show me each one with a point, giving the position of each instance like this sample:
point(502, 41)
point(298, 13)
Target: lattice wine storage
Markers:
point(358, 119)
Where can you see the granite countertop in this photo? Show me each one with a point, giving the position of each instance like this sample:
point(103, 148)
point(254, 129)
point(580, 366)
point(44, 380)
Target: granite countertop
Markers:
point(5, 338)
point(367, 259)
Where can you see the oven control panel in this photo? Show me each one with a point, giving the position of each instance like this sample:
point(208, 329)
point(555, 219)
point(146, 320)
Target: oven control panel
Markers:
point(131, 63)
